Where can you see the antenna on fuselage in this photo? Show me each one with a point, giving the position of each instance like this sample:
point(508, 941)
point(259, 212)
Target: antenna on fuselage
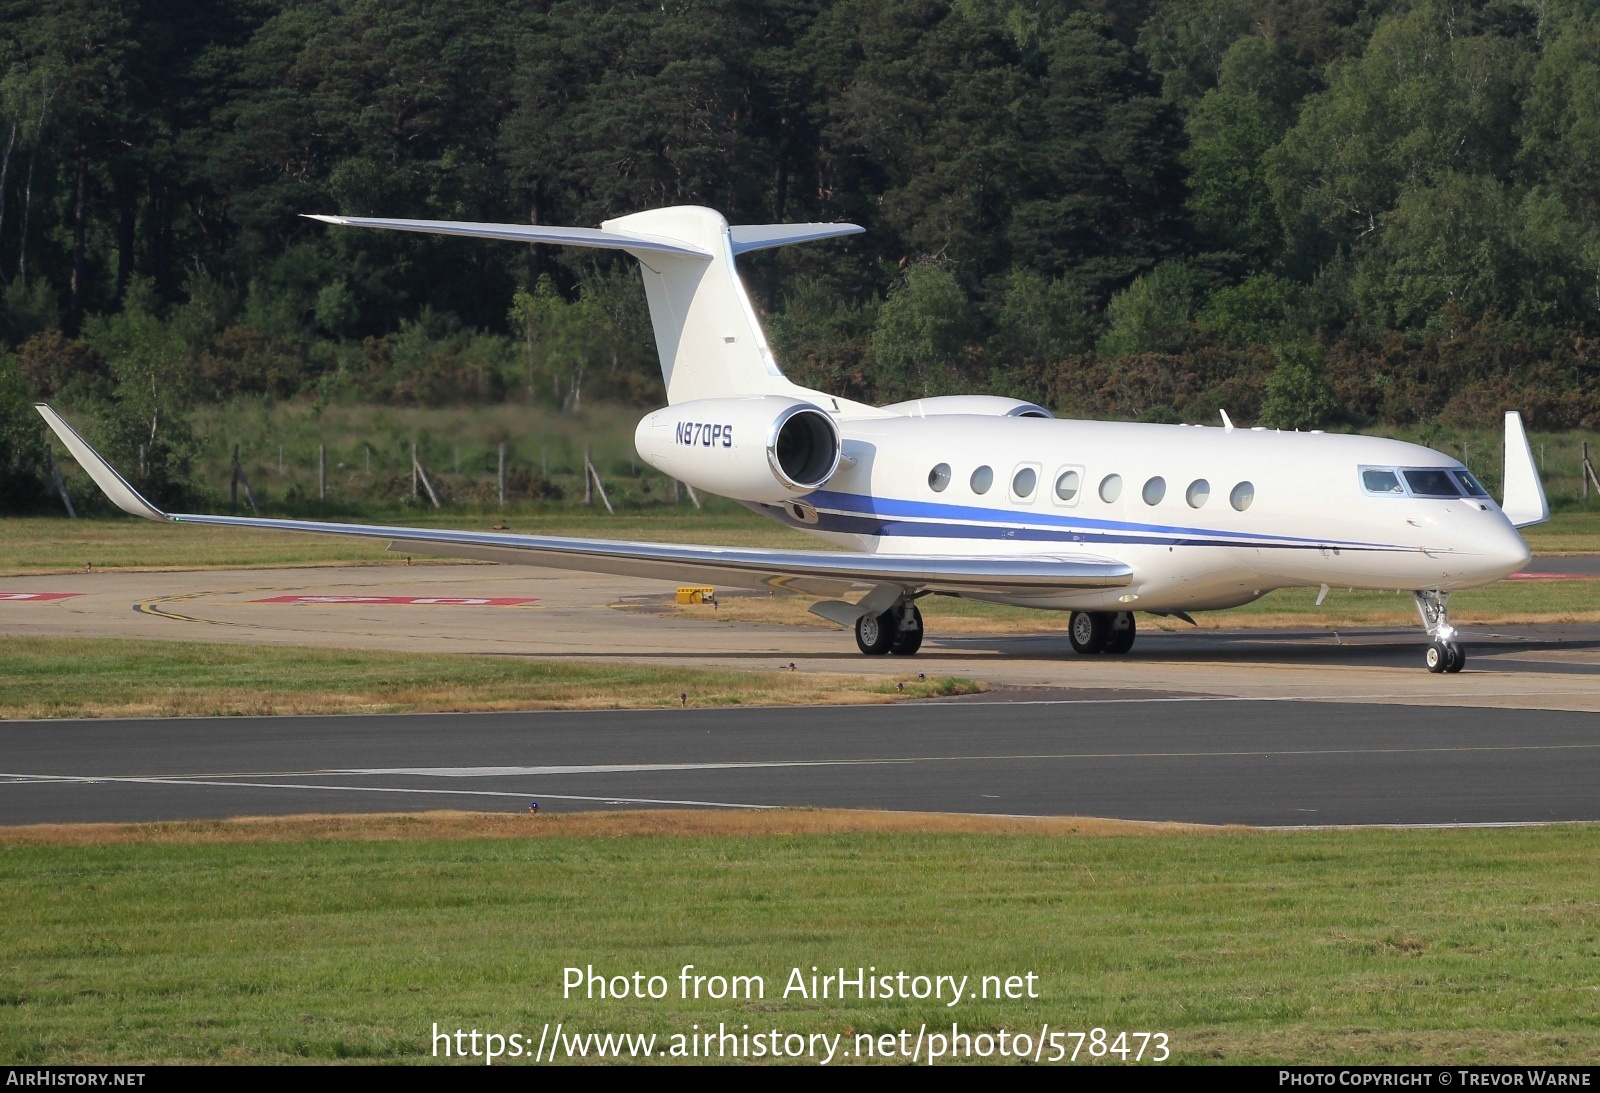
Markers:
point(1227, 423)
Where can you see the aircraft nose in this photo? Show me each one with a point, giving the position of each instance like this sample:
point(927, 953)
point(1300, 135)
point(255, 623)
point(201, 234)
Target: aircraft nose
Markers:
point(1500, 545)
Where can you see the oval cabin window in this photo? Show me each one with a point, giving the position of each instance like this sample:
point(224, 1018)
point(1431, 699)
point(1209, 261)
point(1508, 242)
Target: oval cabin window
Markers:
point(939, 478)
point(1067, 485)
point(1023, 482)
point(1155, 490)
point(982, 479)
point(1198, 493)
point(1110, 488)
point(1243, 496)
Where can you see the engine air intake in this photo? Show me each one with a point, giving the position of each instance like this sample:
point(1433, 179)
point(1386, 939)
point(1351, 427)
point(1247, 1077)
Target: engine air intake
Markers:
point(803, 447)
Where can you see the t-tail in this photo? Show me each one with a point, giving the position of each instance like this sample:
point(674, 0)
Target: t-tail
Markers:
point(707, 334)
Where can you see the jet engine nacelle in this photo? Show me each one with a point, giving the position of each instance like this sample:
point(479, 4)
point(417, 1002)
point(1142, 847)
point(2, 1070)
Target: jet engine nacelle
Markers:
point(764, 448)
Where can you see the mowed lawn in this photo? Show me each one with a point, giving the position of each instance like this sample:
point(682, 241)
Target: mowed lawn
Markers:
point(118, 677)
point(1377, 946)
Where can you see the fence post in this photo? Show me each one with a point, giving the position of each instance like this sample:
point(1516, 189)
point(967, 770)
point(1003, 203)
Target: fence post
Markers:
point(233, 482)
point(588, 492)
point(418, 471)
point(414, 492)
point(238, 477)
point(502, 474)
point(322, 472)
point(590, 472)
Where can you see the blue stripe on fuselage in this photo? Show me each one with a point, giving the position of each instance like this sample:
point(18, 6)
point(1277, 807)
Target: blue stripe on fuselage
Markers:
point(856, 514)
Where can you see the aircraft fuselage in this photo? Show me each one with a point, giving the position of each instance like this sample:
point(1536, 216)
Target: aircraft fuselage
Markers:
point(1207, 517)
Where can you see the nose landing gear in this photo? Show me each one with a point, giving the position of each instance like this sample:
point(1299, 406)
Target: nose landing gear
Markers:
point(1445, 653)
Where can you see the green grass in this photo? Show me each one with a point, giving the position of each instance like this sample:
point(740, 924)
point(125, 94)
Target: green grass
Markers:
point(52, 544)
point(1370, 946)
point(109, 677)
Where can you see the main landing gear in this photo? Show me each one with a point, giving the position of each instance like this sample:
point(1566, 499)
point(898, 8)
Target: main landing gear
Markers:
point(1101, 631)
point(898, 630)
point(1445, 653)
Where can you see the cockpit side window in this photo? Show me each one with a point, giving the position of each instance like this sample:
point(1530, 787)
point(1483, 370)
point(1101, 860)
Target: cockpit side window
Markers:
point(1473, 487)
point(1380, 480)
point(1432, 482)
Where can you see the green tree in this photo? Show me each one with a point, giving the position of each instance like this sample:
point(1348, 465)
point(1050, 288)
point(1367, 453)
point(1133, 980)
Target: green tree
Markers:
point(1560, 124)
point(1041, 321)
point(922, 330)
point(1299, 395)
point(24, 464)
point(145, 423)
point(1152, 315)
point(1251, 313)
point(1100, 192)
point(1468, 246)
point(1425, 98)
point(1231, 129)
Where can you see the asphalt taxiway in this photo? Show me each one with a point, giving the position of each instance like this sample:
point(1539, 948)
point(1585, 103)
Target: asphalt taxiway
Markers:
point(1274, 763)
point(1277, 727)
point(544, 614)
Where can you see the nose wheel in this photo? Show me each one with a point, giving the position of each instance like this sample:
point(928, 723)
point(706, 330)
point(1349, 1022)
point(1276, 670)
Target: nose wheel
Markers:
point(1445, 656)
point(1444, 652)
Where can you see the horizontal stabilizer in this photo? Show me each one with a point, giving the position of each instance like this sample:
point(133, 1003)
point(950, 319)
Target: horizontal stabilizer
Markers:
point(524, 233)
point(749, 237)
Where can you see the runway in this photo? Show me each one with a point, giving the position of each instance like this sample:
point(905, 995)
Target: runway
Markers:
point(1264, 762)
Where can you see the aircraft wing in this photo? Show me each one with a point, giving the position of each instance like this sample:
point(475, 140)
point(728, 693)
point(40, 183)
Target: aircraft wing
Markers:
point(806, 572)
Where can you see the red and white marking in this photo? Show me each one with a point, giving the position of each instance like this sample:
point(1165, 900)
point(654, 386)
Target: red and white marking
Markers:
point(407, 601)
point(1553, 577)
point(38, 596)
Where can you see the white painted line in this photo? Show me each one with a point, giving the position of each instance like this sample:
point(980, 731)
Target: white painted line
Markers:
point(651, 768)
point(613, 800)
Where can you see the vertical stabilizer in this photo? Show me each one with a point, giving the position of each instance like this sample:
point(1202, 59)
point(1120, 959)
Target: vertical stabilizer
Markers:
point(710, 341)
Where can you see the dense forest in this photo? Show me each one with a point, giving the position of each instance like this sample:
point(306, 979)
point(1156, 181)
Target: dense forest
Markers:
point(1309, 212)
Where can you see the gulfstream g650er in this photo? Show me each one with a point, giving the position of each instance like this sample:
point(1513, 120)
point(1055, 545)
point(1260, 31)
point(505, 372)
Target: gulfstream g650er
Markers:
point(977, 496)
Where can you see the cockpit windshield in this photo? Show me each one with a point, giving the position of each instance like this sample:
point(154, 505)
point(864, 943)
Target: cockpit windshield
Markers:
point(1473, 487)
point(1420, 482)
point(1379, 480)
point(1431, 482)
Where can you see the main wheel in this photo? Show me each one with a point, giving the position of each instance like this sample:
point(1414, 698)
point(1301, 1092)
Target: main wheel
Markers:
point(875, 633)
point(1122, 632)
point(1437, 657)
point(907, 639)
point(1458, 658)
point(1087, 631)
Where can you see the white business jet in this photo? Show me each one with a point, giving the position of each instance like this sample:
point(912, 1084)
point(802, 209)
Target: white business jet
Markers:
point(977, 496)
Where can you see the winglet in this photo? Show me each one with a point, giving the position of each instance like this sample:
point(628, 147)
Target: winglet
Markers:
point(1523, 501)
point(124, 496)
